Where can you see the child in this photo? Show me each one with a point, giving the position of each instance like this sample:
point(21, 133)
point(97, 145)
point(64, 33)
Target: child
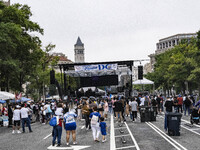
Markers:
point(103, 127)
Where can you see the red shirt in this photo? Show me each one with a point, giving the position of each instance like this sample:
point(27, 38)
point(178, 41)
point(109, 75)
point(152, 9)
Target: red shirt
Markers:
point(60, 123)
point(180, 100)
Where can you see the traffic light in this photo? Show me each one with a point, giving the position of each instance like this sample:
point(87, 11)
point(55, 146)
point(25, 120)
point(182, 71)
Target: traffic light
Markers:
point(140, 72)
point(52, 77)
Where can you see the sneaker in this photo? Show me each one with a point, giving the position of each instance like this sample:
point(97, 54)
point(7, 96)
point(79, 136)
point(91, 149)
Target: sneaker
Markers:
point(18, 131)
point(97, 140)
point(13, 132)
point(67, 144)
point(103, 141)
point(74, 143)
point(58, 145)
point(87, 128)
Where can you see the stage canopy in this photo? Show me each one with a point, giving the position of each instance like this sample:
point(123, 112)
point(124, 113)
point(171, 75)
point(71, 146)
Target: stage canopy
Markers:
point(144, 81)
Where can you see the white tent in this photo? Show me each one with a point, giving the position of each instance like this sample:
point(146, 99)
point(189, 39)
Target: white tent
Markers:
point(5, 95)
point(92, 88)
point(144, 81)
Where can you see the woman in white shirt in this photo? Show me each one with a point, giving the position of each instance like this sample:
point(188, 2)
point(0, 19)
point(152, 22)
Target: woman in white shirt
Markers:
point(16, 118)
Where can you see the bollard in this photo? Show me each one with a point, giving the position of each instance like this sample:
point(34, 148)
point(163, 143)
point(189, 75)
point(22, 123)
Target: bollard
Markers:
point(120, 124)
point(123, 140)
point(121, 131)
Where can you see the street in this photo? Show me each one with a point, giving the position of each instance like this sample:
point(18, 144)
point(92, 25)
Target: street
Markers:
point(136, 135)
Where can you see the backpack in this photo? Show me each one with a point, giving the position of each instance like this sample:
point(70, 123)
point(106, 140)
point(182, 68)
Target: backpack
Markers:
point(94, 120)
point(53, 122)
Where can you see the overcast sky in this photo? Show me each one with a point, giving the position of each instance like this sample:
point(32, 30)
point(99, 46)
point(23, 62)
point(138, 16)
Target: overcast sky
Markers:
point(112, 29)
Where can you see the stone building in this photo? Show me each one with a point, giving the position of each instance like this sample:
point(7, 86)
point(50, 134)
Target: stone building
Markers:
point(62, 60)
point(6, 2)
point(79, 51)
point(167, 43)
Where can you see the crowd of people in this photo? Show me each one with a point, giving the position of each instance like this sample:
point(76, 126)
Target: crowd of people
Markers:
point(94, 111)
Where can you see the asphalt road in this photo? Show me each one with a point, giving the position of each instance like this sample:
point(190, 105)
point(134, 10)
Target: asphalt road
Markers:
point(127, 136)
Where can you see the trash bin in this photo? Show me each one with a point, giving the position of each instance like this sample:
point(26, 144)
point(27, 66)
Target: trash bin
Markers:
point(142, 114)
point(173, 123)
point(145, 113)
point(153, 113)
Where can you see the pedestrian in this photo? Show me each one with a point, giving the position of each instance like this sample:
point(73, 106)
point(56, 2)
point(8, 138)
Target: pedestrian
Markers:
point(134, 108)
point(180, 103)
point(86, 113)
point(70, 126)
point(118, 110)
point(57, 130)
point(43, 114)
point(176, 106)
point(187, 104)
point(24, 115)
point(101, 107)
point(10, 115)
point(110, 106)
point(95, 116)
point(16, 119)
point(105, 107)
point(168, 105)
point(127, 108)
point(103, 127)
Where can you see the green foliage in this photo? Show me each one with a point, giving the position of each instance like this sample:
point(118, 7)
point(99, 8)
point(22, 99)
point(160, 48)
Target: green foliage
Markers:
point(178, 65)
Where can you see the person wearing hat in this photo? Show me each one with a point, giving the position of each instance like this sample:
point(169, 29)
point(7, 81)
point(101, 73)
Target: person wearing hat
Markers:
point(16, 118)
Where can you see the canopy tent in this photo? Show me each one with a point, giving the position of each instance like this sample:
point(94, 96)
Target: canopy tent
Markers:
point(2, 101)
point(93, 89)
point(5, 95)
point(144, 81)
point(24, 99)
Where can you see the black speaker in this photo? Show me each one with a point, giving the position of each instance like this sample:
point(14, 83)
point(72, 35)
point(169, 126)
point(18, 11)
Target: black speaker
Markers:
point(140, 72)
point(52, 77)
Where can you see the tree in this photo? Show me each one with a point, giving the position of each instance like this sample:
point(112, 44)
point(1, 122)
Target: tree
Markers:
point(18, 47)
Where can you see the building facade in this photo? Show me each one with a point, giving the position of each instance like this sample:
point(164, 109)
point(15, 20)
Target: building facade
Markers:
point(167, 43)
point(62, 60)
point(6, 2)
point(79, 55)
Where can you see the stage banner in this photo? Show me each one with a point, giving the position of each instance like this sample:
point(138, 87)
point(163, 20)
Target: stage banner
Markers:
point(97, 67)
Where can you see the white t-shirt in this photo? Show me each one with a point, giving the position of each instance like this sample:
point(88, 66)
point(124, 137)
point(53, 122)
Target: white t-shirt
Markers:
point(24, 113)
point(16, 114)
point(142, 101)
point(133, 105)
point(59, 112)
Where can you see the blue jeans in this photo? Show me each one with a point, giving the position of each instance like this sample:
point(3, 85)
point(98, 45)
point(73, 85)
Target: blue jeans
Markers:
point(187, 108)
point(110, 110)
point(27, 120)
point(57, 132)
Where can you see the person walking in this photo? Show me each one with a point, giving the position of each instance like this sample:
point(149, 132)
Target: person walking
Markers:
point(24, 115)
point(70, 126)
point(105, 106)
point(187, 104)
point(16, 118)
point(103, 127)
point(10, 115)
point(86, 113)
point(168, 104)
point(134, 108)
point(118, 110)
point(95, 116)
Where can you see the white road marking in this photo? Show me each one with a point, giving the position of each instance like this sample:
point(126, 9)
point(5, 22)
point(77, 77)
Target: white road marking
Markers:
point(163, 136)
point(168, 136)
point(136, 145)
point(125, 147)
point(112, 134)
point(120, 128)
point(190, 130)
point(82, 127)
point(122, 135)
point(65, 148)
point(47, 136)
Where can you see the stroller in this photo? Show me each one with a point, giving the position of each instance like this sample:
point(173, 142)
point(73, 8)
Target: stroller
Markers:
point(194, 116)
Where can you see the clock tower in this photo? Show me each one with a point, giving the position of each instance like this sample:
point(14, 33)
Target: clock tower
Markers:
point(79, 51)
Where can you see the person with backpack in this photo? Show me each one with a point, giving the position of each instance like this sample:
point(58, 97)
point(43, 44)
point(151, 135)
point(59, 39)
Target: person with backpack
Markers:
point(95, 116)
point(187, 104)
point(70, 126)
